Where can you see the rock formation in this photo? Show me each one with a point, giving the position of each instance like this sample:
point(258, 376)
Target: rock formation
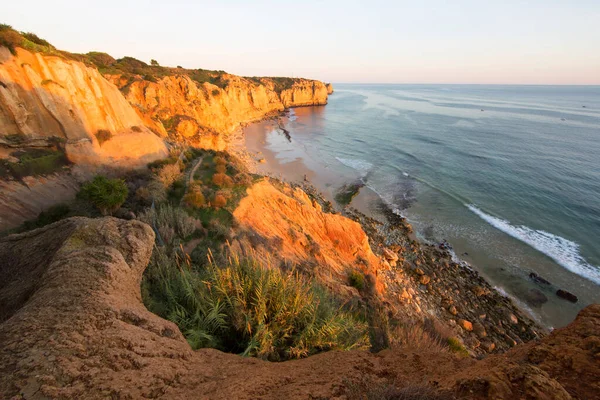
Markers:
point(44, 97)
point(202, 114)
point(73, 326)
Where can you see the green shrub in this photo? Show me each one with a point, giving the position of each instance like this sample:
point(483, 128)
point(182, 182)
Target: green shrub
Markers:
point(32, 37)
point(103, 135)
point(52, 214)
point(249, 309)
point(194, 198)
point(37, 162)
point(356, 279)
point(107, 195)
point(456, 346)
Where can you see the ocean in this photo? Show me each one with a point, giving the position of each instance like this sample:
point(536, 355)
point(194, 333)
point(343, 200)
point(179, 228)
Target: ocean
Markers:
point(508, 175)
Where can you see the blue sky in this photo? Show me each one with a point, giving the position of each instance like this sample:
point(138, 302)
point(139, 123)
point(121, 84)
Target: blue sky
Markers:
point(520, 42)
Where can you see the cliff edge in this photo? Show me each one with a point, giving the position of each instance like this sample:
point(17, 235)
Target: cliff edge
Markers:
point(73, 325)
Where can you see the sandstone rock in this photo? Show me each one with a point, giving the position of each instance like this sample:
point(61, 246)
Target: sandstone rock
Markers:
point(479, 330)
point(419, 271)
point(44, 96)
point(390, 255)
point(466, 325)
point(452, 310)
point(424, 280)
point(488, 346)
point(479, 291)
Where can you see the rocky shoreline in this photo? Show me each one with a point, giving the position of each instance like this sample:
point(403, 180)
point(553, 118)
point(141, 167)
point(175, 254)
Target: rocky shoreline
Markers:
point(423, 281)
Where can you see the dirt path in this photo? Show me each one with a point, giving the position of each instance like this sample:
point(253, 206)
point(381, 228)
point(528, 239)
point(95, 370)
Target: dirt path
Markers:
point(189, 179)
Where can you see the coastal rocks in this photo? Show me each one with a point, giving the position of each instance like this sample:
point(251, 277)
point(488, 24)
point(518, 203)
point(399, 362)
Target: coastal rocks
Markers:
point(466, 325)
point(329, 87)
point(390, 257)
point(563, 294)
point(538, 279)
point(424, 280)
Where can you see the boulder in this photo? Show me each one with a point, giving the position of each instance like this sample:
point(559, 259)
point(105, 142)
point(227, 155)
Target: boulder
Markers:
point(466, 325)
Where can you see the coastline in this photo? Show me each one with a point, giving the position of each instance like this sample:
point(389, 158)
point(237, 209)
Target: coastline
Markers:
point(476, 299)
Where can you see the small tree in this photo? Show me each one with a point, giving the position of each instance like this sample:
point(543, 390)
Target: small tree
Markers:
point(154, 63)
point(107, 195)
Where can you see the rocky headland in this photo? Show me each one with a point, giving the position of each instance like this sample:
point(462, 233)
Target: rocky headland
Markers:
point(93, 306)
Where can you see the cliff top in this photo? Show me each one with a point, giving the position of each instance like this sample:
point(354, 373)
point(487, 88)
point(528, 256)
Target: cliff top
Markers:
point(74, 325)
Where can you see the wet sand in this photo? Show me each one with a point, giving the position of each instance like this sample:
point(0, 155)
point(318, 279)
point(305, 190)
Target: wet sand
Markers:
point(267, 151)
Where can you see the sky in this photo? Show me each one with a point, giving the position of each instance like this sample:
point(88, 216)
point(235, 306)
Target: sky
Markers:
point(460, 41)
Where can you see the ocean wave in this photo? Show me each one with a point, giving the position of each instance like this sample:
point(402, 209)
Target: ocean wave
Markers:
point(563, 251)
point(361, 166)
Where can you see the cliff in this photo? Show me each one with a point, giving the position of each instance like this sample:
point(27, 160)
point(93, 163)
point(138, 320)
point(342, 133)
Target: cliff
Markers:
point(202, 113)
point(47, 98)
point(72, 325)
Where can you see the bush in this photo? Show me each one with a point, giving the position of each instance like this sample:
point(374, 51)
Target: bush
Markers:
point(219, 201)
point(166, 217)
point(194, 198)
point(103, 135)
point(222, 180)
point(250, 310)
point(38, 162)
point(356, 279)
point(32, 37)
point(168, 174)
point(136, 128)
point(457, 347)
point(10, 39)
point(107, 195)
point(218, 160)
point(49, 216)
point(221, 168)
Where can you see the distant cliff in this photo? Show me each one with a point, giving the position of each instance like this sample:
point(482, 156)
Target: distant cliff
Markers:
point(181, 108)
point(105, 109)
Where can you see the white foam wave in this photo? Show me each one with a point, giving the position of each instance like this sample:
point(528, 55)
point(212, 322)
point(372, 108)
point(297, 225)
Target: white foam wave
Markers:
point(361, 166)
point(565, 252)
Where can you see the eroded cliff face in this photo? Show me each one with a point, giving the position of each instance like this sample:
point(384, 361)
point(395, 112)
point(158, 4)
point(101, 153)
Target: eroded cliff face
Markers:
point(305, 234)
point(72, 325)
point(45, 98)
point(203, 114)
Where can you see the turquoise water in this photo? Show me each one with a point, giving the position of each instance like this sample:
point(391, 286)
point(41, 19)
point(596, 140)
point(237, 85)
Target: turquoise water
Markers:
point(509, 175)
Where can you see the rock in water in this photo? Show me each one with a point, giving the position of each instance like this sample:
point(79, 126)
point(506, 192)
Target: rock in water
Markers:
point(535, 297)
point(538, 279)
point(563, 294)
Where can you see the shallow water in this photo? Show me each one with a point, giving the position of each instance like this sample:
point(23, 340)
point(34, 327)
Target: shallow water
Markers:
point(509, 175)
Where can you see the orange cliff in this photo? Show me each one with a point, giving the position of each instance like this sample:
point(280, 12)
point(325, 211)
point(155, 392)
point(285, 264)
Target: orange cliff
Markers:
point(203, 114)
point(44, 97)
